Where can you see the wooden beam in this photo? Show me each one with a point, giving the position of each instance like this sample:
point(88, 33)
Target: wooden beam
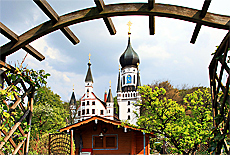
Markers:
point(198, 25)
point(14, 38)
point(195, 33)
point(49, 11)
point(151, 4)
point(161, 10)
point(205, 8)
point(100, 5)
point(34, 52)
point(108, 21)
point(70, 35)
point(8, 33)
point(152, 25)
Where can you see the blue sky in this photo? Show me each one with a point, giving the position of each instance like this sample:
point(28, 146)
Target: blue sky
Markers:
point(167, 55)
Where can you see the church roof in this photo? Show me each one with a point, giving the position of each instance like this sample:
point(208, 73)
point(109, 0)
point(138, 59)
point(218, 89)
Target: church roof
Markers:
point(119, 82)
point(72, 100)
point(89, 77)
point(110, 97)
point(129, 57)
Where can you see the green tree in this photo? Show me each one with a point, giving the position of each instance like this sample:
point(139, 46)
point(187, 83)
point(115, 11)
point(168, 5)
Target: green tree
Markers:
point(168, 118)
point(49, 115)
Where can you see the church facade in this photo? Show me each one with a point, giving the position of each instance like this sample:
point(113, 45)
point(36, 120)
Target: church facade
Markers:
point(127, 94)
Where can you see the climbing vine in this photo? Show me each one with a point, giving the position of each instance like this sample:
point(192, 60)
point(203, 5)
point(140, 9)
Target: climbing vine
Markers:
point(12, 90)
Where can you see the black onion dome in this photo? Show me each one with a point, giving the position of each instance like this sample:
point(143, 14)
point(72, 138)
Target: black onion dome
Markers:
point(129, 57)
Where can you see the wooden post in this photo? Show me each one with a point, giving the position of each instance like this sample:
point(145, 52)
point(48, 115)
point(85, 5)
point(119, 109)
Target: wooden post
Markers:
point(71, 143)
point(2, 58)
point(49, 144)
point(29, 119)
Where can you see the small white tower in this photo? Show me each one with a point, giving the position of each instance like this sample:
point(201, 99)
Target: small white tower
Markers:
point(110, 104)
point(88, 81)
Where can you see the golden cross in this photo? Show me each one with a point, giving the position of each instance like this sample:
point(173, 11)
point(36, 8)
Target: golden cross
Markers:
point(89, 57)
point(129, 24)
point(110, 83)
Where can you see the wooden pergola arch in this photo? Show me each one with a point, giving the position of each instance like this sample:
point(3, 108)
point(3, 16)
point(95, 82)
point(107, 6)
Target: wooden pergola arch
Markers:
point(151, 9)
point(201, 17)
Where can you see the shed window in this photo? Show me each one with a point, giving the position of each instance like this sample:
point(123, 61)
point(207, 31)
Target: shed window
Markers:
point(110, 142)
point(83, 112)
point(87, 111)
point(87, 102)
point(93, 103)
point(98, 142)
point(83, 103)
point(105, 142)
point(128, 102)
point(93, 111)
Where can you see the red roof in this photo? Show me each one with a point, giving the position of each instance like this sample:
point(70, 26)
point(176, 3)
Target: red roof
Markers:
point(113, 122)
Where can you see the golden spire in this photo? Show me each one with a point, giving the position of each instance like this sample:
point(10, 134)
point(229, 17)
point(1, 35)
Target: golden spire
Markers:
point(129, 24)
point(110, 83)
point(119, 67)
point(73, 87)
point(89, 57)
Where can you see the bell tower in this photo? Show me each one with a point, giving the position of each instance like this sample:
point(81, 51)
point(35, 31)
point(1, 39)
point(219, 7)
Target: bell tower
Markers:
point(128, 81)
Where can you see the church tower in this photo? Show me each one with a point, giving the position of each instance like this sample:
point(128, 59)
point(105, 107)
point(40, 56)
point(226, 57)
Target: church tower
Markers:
point(128, 81)
point(110, 104)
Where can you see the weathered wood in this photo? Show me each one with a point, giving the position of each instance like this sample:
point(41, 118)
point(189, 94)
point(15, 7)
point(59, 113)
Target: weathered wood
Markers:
point(8, 33)
point(163, 10)
point(220, 49)
point(30, 104)
point(49, 11)
point(215, 84)
point(151, 25)
point(108, 21)
point(11, 141)
point(14, 38)
point(205, 8)
point(151, 4)
point(9, 67)
point(29, 49)
point(195, 33)
point(100, 5)
point(109, 25)
point(19, 146)
point(9, 134)
point(70, 35)
point(198, 25)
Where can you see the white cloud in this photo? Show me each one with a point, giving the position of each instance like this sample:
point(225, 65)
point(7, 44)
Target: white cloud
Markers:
point(149, 52)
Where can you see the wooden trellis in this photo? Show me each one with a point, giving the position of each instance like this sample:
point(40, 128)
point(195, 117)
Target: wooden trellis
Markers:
point(219, 71)
point(26, 107)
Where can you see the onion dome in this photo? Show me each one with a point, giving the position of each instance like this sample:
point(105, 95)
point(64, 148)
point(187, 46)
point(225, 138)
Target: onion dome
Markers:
point(129, 57)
